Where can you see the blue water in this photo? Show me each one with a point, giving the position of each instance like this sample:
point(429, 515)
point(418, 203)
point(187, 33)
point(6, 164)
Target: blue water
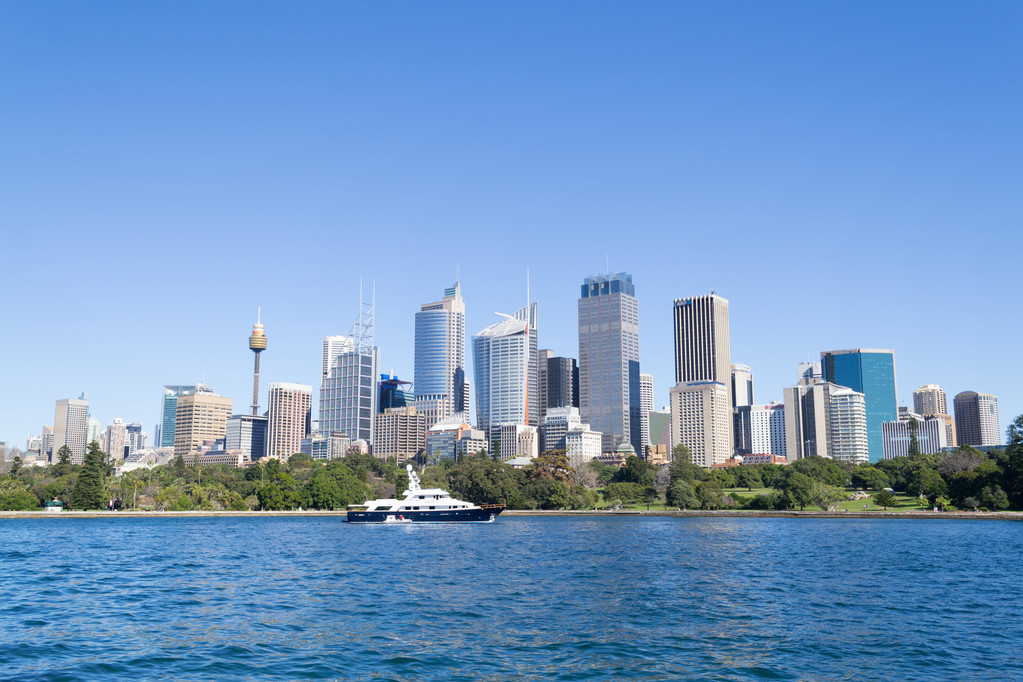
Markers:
point(520, 599)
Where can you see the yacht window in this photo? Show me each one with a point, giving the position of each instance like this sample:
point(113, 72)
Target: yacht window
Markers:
point(432, 507)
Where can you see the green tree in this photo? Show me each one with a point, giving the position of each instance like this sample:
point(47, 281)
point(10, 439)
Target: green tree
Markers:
point(748, 478)
point(681, 494)
point(709, 494)
point(1012, 480)
point(869, 478)
point(15, 495)
point(826, 496)
point(636, 471)
point(551, 465)
point(884, 498)
point(914, 437)
point(88, 490)
point(797, 488)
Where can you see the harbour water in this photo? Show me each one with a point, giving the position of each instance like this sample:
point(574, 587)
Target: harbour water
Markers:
point(520, 599)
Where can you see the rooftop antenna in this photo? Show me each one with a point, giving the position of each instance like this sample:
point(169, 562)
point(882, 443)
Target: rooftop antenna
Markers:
point(607, 263)
point(527, 286)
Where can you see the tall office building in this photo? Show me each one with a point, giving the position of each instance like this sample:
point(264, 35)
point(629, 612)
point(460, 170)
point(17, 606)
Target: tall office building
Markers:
point(440, 358)
point(702, 356)
point(348, 392)
point(646, 406)
point(556, 425)
point(543, 356)
point(976, 418)
point(701, 419)
point(562, 382)
point(742, 386)
point(289, 418)
point(247, 433)
point(505, 357)
point(70, 426)
point(169, 413)
point(929, 399)
point(334, 346)
point(135, 439)
point(201, 420)
point(872, 373)
point(116, 439)
point(609, 393)
point(847, 430)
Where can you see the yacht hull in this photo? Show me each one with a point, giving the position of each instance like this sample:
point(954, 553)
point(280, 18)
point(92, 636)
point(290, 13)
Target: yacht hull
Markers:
point(482, 515)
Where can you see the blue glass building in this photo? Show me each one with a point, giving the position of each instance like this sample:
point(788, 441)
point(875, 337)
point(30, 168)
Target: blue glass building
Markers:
point(168, 413)
point(872, 373)
point(440, 357)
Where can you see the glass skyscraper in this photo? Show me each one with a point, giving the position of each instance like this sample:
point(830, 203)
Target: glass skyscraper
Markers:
point(609, 394)
point(440, 358)
point(870, 372)
point(169, 411)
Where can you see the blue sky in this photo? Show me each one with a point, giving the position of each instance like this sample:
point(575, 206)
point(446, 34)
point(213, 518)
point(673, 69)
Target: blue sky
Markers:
point(846, 174)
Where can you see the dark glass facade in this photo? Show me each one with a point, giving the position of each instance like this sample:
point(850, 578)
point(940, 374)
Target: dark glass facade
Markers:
point(871, 373)
point(562, 382)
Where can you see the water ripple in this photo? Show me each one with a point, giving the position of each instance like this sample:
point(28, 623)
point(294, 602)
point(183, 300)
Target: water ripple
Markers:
point(521, 599)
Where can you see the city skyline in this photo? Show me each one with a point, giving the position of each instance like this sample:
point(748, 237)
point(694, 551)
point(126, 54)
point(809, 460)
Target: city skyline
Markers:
point(489, 143)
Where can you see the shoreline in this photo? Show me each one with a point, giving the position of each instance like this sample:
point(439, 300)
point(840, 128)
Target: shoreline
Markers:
point(916, 514)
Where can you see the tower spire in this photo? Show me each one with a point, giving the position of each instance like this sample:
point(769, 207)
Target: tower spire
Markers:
point(257, 344)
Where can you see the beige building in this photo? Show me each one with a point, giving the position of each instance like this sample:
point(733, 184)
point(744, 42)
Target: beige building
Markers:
point(400, 433)
point(200, 418)
point(289, 418)
point(70, 427)
point(701, 419)
point(976, 418)
point(702, 358)
point(114, 441)
point(929, 399)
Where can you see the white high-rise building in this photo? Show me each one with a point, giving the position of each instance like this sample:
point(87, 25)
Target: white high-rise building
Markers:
point(847, 436)
point(701, 420)
point(767, 429)
point(931, 434)
point(582, 445)
point(742, 386)
point(440, 359)
point(646, 406)
point(289, 418)
point(70, 428)
point(505, 359)
point(350, 386)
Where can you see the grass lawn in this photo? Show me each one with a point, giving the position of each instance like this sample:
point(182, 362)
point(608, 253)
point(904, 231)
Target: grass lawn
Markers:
point(902, 502)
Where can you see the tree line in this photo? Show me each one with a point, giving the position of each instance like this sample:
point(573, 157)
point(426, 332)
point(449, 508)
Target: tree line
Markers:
point(963, 479)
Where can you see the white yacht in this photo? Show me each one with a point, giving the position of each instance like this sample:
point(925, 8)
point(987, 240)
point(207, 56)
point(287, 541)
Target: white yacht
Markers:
point(422, 505)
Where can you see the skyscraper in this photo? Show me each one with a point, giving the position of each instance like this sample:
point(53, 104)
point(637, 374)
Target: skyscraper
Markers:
point(872, 373)
point(609, 393)
point(505, 359)
point(825, 420)
point(289, 418)
point(115, 440)
point(646, 406)
point(929, 399)
point(543, 356)
point(742, 386)
point(440, 358)
point(169, 412)
point(701, 419)
point(201, 419)
point(976, 418)
point(703, 356)
point(348, 392)
point(247, 433)
point(393, 392)
point(70, 422)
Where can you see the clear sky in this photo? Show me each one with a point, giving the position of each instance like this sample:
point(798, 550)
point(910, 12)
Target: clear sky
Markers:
point(846, 174)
